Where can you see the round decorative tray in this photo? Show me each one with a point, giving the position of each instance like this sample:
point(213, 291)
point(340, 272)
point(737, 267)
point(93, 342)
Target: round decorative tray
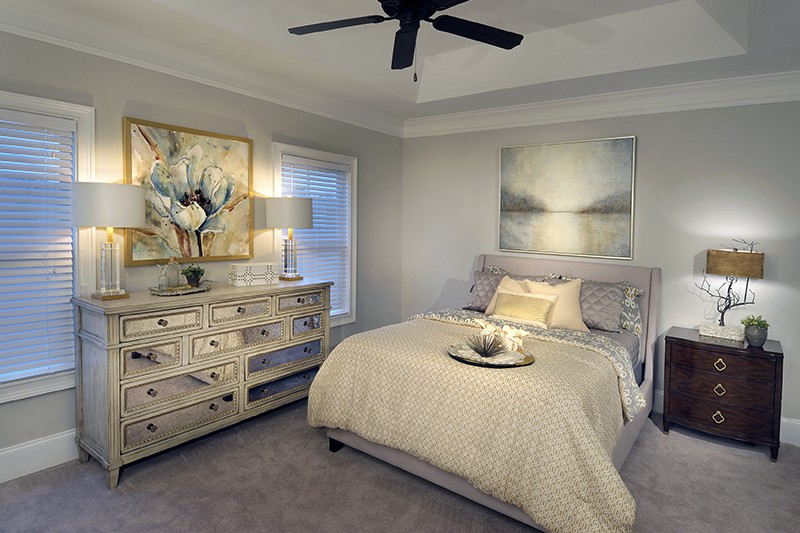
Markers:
point(465, 354)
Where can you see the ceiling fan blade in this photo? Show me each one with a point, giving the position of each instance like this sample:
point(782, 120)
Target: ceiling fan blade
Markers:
point(336, 24)
point(477, 32)
point(446, 4)
point(405, 41)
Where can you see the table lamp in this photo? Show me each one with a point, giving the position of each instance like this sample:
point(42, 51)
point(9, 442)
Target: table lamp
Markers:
point(289, 213)
point(108, 205)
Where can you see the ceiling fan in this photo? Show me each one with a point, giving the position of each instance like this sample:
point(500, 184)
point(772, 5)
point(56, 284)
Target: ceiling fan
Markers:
point(410, 13)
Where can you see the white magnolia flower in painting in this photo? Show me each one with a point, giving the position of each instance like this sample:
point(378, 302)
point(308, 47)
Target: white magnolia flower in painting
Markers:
point(194, 192)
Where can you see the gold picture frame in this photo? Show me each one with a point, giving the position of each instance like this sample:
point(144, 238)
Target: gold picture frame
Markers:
point(198, 197)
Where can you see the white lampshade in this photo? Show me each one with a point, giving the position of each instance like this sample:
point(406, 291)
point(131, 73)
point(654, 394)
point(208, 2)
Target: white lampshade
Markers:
point(289, 212)
point(107, 205)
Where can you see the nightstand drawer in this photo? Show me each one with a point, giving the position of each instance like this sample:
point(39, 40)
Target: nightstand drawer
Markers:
point(158, 427)
point(723, 363)
point(242, 310)
point(722, 389)
point(145, 325)
point(284, 358)
point(719, 418)
point(224, 342)
point(137, 397)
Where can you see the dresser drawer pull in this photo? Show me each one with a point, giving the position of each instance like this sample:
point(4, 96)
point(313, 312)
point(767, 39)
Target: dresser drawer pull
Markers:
point(265, 333)
point(214, 407)
point(720, 365)
point(306, 376)
point(718, 418)
point(264, 390)
point(240, 310)
point(162, 322)
point(152, 428)
point(152, 356)
point(301, 300)
point(265, 362)
point(719, 390)
point(213, 343)
point(213, 376)
point(152, 393)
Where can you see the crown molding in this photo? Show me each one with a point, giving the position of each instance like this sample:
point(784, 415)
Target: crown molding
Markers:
point(730, 92)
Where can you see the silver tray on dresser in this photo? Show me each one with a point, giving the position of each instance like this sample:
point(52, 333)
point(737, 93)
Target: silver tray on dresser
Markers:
point(180, 290)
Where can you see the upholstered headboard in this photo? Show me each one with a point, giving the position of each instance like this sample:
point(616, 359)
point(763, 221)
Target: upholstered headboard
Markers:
point(648, 279)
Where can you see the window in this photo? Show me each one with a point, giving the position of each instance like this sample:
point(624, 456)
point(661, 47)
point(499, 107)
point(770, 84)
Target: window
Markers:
point(328, 250)
point(38, 162)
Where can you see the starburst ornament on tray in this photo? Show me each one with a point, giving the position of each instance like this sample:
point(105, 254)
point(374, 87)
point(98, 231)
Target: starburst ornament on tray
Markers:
point(486, 345)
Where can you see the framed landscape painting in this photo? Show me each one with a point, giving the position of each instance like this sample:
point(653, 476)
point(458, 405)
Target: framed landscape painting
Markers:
point(570, 198)
point(198, 194)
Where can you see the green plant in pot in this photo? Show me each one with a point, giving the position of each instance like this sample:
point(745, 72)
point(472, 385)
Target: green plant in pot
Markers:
point(193, 273)
point(755, 330)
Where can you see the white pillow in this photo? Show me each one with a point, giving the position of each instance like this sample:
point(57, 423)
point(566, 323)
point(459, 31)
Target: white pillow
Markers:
point(567, 308)
point(528, 308)
point(509, 285)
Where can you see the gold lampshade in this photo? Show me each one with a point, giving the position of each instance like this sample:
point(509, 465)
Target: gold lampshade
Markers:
point(736, 263)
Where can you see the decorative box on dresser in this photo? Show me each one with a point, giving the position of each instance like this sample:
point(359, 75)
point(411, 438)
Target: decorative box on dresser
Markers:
point(724, 388)
point(153, 372)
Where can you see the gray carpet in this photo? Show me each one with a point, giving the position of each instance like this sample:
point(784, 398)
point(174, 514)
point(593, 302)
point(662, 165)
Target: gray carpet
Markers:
point(274, 474)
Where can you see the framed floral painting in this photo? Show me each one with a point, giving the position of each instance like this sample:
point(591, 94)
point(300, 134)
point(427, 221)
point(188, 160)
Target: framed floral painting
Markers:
point(198, 194)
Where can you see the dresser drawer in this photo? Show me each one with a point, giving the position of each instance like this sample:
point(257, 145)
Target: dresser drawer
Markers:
point(241, 310)
point(284, 358)
point(138, 433)
point(722, 389)
point(281, 388)
point(144, 325)
point(307, 325)
point(719, 418)
point(150, 358)
point(137, 397)
point(288, 304)
point(723, 363)
point(205, 346)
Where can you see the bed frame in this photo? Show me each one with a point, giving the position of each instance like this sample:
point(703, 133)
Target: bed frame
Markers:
point(646, 278)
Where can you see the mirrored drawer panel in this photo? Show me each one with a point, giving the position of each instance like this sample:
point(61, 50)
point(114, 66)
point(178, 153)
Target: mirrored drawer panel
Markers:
point(149, 358)
point(275, 390)
point(138, 433)
point(287, 304)
point(284, 357)
point(135, 397)
point(305, 325)
point(223, 342)
point(243, 310)
point(144, 325)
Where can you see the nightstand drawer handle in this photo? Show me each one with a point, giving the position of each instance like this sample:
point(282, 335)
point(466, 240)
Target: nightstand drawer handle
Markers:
point(719, 390)
point(718, 418)
point(720, 365)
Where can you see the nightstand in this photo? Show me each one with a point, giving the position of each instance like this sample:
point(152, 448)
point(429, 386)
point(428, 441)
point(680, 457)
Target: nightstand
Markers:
point(724, 388)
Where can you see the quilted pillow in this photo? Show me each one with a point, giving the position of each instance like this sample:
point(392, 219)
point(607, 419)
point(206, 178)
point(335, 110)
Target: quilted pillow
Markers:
point(601, 305)
point(567, 309)
point(485, 284)
point(533, 309)
point(631, 316)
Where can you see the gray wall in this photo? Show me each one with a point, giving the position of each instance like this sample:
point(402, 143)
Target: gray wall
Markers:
point(702, 179)
point(116, 90)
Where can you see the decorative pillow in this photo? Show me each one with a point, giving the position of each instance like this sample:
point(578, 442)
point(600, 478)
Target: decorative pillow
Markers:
point(567, 309)
point(485, 284)
point(508, 285)
point(533, 309)
point(601, 305)
point(631, 316)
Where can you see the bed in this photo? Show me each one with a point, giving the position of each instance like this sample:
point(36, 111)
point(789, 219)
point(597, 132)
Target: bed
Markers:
point(541, 443)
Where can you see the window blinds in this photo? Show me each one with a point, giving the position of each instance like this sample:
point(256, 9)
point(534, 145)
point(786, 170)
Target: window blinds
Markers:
point(37, 167)
point(324, 251)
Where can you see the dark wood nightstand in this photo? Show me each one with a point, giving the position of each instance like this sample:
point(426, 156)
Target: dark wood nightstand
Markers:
point(724, 388)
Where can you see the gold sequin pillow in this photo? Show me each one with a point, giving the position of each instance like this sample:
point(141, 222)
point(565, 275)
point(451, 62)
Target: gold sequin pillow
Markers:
point(566, 312)
point(525, 308)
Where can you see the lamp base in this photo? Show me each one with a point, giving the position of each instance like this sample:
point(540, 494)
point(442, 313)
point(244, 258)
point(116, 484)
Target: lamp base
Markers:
point(731, 333)
point(296, 277)
point(110, 296)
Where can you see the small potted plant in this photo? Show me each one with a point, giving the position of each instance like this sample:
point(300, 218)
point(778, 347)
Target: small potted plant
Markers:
point(193, 274)
point(755, 330)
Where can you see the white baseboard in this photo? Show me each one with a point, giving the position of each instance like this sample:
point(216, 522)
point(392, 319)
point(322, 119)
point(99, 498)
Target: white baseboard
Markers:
point(790, 427)
point(29, 457)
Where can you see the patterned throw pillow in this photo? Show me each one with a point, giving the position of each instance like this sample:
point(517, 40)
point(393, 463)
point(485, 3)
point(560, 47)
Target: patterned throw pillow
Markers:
point(631, 316)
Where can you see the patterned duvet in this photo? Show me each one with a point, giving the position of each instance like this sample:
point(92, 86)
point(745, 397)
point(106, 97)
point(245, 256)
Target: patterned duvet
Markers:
point(539, 437)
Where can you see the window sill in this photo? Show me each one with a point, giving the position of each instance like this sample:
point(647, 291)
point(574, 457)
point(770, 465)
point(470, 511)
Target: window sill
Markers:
point(36, 386)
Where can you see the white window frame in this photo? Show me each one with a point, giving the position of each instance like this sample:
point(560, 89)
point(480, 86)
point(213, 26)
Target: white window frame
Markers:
point(85, 240)
point(280, 149)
